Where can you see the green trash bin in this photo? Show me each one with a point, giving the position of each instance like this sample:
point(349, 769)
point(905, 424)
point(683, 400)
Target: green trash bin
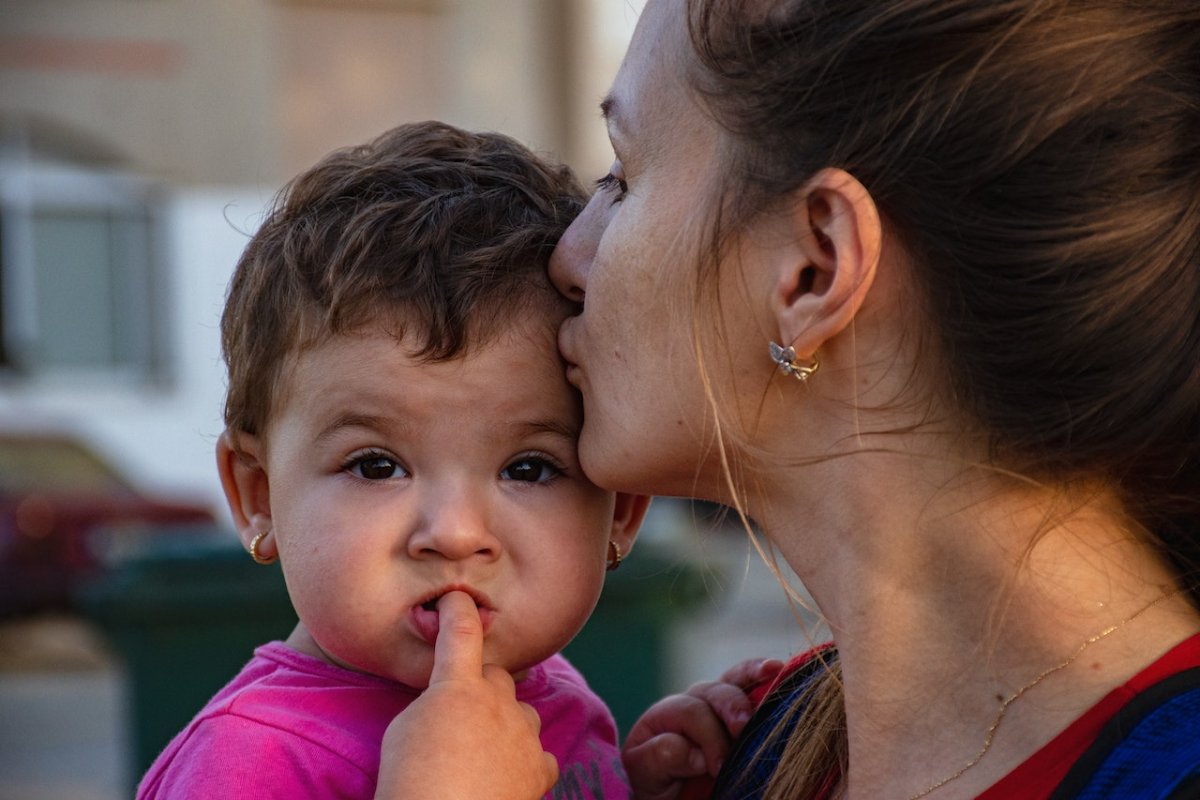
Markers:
point(184, 611)
point(622, 651)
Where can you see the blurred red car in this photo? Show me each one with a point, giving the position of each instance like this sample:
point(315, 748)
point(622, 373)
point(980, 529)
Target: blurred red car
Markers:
point(62, 507)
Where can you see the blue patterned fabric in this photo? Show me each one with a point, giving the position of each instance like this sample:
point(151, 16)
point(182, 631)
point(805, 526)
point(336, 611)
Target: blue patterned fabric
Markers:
point(1149, 751)
point(745, 776)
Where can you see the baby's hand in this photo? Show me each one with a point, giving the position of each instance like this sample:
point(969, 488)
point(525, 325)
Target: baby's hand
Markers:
point(466, 735)
point(689, 735)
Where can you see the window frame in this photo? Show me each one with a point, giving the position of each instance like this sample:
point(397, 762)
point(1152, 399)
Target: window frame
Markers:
point(131, 205)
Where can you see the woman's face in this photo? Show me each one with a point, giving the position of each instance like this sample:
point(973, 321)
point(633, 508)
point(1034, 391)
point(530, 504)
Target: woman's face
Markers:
point(632, 255)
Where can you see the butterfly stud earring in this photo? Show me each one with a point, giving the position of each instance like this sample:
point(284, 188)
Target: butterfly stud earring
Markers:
point(785, 357)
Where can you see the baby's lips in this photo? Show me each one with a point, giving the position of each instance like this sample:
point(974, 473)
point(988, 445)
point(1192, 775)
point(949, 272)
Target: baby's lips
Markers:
point(426, 617)
point(433, 602)
point(452, 597)
point(485, 611)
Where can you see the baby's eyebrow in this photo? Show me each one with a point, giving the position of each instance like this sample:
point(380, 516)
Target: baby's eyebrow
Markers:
point(554, 426)
point(353, 420)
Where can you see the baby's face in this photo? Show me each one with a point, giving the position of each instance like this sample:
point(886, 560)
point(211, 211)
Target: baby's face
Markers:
point(393, 482)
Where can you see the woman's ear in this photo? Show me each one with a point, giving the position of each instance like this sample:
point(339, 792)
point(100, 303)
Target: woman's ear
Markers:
point(628, 513)
point(825, 275)
point(247, 490)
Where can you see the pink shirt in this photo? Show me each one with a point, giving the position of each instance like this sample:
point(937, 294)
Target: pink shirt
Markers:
point(291, 726)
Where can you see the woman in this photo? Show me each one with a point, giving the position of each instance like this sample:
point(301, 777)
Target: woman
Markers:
point(915, 284)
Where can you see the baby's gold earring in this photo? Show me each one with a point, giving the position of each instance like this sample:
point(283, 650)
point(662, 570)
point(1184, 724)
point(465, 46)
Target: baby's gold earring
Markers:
point(258, 557)
point(615, 556)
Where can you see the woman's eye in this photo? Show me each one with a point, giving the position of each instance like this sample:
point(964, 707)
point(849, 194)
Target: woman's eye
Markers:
point(612, 183)
point(375, 468)
point(530, 470)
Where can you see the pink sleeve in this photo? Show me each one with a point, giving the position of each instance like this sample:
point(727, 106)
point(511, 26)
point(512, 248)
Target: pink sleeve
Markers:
point(229, 756)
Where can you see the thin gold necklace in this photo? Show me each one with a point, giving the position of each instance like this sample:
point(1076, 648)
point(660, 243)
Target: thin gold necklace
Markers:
point(1012, 698)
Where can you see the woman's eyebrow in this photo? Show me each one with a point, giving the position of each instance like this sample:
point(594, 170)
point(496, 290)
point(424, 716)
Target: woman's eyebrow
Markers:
point(614, 119)
point(608, 107)
point(612, 110)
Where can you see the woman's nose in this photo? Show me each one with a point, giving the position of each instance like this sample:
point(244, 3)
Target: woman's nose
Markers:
point(573, 255)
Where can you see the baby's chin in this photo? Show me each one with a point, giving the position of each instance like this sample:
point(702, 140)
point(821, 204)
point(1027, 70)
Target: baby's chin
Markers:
point(415, 673)
point(421, 678)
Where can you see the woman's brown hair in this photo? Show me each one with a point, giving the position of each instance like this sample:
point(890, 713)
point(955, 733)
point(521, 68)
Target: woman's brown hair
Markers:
point(1040, 162)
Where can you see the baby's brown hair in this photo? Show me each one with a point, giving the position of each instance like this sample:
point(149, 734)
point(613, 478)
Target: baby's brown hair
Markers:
point(435, 234)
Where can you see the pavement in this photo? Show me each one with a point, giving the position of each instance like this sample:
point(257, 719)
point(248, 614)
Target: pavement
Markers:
point(62, 728)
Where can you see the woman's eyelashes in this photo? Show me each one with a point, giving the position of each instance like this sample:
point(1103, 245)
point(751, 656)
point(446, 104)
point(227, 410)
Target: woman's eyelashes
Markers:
point(375, 466)
point(611, 182)
point(531, 469)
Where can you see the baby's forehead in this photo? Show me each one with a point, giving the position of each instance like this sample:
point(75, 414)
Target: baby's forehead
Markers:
point(535, 320)
point(530, 326)
point(442, 330)
point(511, 378)
point(531, 316)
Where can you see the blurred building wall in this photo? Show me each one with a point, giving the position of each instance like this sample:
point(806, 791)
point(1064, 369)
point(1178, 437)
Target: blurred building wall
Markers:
point(179, 89)
point(157, 130)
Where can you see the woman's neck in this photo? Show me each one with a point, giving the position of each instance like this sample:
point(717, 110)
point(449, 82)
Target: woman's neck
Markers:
point(948, 590)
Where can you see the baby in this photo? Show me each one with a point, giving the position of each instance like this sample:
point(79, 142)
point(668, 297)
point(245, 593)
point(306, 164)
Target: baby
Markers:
point(398, 428)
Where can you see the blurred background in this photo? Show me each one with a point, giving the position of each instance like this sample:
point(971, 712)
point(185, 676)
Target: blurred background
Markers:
point(140, 141)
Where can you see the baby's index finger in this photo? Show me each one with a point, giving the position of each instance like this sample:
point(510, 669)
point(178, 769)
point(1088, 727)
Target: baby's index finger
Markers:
point(458, 652)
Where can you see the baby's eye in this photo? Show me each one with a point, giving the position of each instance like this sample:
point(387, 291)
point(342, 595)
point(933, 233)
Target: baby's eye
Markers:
point(530, 469)
point(375, 467)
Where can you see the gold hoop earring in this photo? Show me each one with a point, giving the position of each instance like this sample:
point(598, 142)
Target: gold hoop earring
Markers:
point(785, 358)
point(259, 558)
point(615, 556)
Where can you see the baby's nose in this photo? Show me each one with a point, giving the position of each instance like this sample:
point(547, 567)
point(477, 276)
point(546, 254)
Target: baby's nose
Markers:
point(455, 528)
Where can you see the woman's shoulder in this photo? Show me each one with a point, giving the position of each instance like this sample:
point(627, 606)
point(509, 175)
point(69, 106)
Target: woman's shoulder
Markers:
point(1144, 732)
point(1151, 745)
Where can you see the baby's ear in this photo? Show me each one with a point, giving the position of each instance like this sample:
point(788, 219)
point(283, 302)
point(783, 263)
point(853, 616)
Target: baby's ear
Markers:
point(628, 513)
point(244, 479)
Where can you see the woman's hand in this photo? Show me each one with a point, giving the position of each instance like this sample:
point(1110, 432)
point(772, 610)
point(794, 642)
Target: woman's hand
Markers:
point(688, 736)
point(466, 735)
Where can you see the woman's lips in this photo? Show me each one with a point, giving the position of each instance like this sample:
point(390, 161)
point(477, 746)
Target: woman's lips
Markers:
point(574, 374)
point(565, 349)
point(564, 343)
